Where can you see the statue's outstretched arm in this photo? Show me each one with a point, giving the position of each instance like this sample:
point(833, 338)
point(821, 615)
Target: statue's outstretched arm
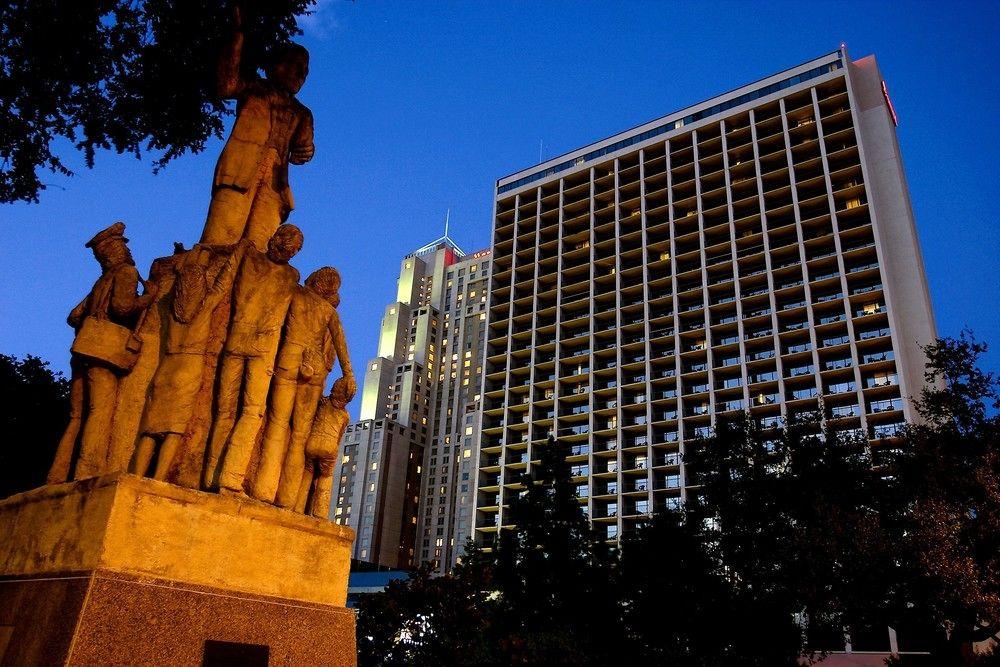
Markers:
point(340, 344)
point(229, 83)
point(227, 275)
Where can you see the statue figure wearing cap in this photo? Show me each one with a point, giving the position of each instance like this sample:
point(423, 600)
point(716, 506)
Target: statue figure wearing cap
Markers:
point(101, 356)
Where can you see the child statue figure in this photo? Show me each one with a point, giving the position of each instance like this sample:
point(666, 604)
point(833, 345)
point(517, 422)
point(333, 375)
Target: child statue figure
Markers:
point(316, 481)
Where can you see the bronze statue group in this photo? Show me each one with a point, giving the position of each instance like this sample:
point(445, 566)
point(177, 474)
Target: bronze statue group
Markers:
point(213, 378)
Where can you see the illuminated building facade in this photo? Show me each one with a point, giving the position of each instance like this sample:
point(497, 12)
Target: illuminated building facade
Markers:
point(405, 476)
point(753, 253)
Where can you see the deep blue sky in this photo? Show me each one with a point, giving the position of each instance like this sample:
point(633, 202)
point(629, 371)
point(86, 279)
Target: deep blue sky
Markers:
point(420, 107)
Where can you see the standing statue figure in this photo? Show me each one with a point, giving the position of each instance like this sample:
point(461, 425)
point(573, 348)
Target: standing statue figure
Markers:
point(250, 192)
point(202, 279)
point(104, 350)
point(316, 478)
point(313, 339)
point(265, 284)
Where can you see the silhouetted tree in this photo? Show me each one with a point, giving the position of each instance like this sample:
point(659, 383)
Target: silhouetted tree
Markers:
point(853, 540)
point(34, 404)
point(427, 620)
point(792, 541)
point(951, 466)
point(680, 608)
point(127, 75)
point(555, 577)
point(794, 512)
point(546, 591)
point(749, 535)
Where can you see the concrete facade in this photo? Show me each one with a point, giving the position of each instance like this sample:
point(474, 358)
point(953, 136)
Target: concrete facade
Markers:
point(752, 253)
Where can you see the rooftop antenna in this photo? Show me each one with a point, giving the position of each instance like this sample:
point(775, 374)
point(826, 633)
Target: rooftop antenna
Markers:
point(539, 151)
point(447, 219)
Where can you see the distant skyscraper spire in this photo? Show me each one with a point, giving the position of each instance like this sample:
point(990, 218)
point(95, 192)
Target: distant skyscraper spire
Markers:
point(419, 413)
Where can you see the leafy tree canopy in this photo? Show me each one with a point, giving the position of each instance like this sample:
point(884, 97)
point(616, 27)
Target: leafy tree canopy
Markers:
point(132, 76)
point(543, 593)
point(951, 467)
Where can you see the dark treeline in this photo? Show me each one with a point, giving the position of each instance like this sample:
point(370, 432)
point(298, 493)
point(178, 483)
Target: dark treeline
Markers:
point(790, 545)
point(34, 409)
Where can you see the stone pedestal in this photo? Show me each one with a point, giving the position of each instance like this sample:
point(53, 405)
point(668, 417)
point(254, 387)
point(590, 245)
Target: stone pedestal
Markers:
point(122, 570)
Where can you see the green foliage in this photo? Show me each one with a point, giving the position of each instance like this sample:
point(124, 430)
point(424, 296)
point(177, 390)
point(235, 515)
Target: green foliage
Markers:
point(789, 515)
point(545, 592)
point(34, 409)
point(844, 510)
point(127, 75)
point(958, 393)
point(797, 515)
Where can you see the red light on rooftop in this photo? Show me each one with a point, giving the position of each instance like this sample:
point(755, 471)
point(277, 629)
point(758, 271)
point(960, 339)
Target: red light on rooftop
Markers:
point(888, 103)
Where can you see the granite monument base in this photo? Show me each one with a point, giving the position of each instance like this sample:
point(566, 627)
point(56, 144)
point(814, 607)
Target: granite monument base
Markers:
point(122, 570)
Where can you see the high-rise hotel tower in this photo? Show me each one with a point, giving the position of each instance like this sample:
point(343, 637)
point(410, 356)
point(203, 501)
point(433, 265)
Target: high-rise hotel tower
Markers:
point(752, 253)
point(406, 474)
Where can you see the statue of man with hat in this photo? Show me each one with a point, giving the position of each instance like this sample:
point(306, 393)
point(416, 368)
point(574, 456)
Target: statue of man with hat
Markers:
point(104, 350)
